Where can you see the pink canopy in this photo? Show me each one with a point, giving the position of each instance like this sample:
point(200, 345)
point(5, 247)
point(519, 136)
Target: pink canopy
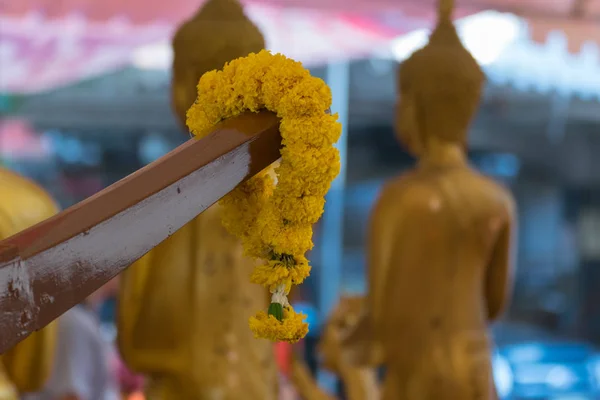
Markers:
point(173, 11)
point(47, 43)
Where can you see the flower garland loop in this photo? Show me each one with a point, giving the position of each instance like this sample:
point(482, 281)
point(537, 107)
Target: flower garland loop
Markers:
point(274, 218)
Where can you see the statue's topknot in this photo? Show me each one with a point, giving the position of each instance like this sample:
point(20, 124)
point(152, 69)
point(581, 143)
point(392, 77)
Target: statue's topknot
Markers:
point(445, 33)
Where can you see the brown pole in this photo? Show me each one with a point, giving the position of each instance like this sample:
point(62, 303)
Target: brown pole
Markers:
point(51, 267)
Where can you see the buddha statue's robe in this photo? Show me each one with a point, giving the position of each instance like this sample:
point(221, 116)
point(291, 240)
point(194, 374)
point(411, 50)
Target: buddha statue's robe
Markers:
point(183, 318)
point(26, 367)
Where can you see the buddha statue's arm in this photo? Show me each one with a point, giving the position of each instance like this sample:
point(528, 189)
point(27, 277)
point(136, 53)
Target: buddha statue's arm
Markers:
point(131, 292)
point(361, 383)
point(361, 346)
point(499, 279)
point(379, 252)
point(29, 363)
point(138, 318)
point(305, 384)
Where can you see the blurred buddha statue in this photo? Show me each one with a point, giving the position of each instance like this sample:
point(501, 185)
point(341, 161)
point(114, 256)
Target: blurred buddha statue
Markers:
point(360, 383)
point(440, 239)
point(26, 367)
point(184, 307)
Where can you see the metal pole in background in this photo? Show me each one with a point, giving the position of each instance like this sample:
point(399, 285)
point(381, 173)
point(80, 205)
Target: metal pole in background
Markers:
point(332, 244)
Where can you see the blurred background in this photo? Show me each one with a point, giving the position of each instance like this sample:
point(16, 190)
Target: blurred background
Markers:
point(84, 101)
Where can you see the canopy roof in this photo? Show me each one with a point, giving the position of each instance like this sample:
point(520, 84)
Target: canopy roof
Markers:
point(46, 43)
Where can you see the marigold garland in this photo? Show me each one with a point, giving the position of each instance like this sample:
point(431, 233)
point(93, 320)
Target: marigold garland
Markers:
point(274, 220)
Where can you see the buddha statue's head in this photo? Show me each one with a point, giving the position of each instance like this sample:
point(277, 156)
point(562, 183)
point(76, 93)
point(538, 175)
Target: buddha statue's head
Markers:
point(218, 33)
point(439, 89)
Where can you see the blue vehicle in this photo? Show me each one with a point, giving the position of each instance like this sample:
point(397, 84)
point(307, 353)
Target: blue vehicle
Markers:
point(529, 364)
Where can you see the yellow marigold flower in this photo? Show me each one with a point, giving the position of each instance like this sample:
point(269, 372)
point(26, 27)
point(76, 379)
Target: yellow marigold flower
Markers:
point(318, 160)
point(317, 131)
point(308, 98)
point(283, 74)
point(299, 210)
point(198, 122)
point(298, 185)
point(291, 329)
point(276, 273)
point(285, 238)
point(274, 218)
point(241, 207)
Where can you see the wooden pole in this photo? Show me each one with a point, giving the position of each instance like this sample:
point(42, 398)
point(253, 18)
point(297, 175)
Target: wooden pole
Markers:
point(51, 267)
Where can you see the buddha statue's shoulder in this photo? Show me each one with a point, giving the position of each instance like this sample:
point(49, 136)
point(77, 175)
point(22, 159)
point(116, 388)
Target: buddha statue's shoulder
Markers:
point(23, 203)
point(19, 187)
point(409, 190)
point(419, 192)
point(487, 190)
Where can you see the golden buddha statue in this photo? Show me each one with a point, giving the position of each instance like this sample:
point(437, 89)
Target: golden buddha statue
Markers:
point(184, 306)
point(26, 367)
point(440, 239)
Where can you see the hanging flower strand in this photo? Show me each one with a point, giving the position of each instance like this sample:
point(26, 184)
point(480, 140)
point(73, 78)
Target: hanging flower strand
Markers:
point(274, 220)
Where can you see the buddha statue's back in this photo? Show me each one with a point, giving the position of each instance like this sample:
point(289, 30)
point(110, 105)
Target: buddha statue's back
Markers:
point(446, 279)
point(449, 223)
